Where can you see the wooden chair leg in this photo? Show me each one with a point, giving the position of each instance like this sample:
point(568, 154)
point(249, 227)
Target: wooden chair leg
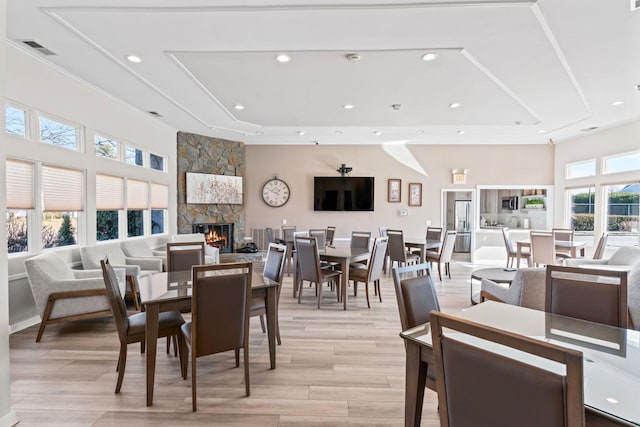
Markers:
point(45, 317)
point(319, 293)
point(439, 274)
point(193, 383)
point(122, 363)
point(247, 384)
point(366, 290)
point(262, 323)
point(377, 283)
point(237, 358)
point(300, 290)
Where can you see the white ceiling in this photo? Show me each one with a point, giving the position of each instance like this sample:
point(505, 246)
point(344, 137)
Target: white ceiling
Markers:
point(523, 71)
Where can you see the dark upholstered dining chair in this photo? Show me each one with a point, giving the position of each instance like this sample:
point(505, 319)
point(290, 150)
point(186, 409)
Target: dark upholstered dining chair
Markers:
point(372, 271)
point(310, 270)
point(220, 321)
point(397, 251)
point(131, 329)
point(595, 295)
point(416, 297)
point(273, 270)
point(479, 387)
point(331, 234)
point(182, 256)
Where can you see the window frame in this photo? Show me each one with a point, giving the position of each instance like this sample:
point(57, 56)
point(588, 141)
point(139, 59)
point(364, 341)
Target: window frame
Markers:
point(568, 167)
point(118, 143)
point(27, 119)
point(78, 128)
point(618, 155)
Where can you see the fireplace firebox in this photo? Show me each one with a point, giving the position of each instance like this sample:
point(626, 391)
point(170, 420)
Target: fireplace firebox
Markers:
point(218, 235)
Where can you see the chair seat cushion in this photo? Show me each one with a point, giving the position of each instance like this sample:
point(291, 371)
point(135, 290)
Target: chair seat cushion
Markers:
point(257, 303)
point(358, 274)
point(329, 274)
point(166, 320)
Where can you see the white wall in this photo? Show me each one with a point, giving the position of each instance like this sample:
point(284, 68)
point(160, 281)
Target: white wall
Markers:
point(487, 164)
point(36, 85)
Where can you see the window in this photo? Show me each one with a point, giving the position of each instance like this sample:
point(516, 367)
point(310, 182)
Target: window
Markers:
point(623, 201)
point(622, 163)
point(20, 200)
point(159, 206)
point(58, 134)
point(582, 208)
point(15, 121)
point(581, 169)
point(106, 147)
point(109, 201)
point(156, 162)
point(137, 203)
point(134, 156)
point(62, 199)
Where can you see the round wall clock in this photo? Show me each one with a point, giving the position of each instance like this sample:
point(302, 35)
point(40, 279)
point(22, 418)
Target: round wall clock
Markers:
point(275, 192)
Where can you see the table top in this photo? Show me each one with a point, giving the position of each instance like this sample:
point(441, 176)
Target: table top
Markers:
point(343, 252)
point(559, 243)
point(611, 355)
point(419, 241)
point(158, 287)
point(498, 275)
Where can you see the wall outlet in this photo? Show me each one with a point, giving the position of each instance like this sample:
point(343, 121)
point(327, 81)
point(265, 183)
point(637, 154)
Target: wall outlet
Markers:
point(403, 212)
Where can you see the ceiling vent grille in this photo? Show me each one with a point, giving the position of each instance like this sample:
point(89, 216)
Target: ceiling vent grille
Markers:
point(37, 46)
point(154, 113)
point(635, 4)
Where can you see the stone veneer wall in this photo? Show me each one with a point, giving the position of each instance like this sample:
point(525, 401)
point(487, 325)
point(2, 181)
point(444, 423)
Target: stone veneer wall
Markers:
point(203, 154)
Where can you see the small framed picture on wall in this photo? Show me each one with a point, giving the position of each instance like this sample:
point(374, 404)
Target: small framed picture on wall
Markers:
point(394, 191)
point(415, 194)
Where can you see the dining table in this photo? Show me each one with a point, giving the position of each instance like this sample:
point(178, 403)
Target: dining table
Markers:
point(423, 245)
point(343, 256)
point(611, 355)
point(572, 246)
point(164, 291)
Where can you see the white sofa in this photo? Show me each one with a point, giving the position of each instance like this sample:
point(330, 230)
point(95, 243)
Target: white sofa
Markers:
point(139, 248)
point(63, 294)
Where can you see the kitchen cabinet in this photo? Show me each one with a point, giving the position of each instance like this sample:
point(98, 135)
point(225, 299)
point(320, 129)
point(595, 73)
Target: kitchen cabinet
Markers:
point(489, 201)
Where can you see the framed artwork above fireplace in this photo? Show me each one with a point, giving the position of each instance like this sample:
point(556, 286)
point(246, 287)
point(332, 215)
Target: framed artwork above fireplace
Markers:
point(214, 189)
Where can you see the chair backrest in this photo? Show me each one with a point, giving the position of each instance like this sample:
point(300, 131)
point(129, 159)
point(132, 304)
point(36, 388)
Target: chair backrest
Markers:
point(543, 248)
point(269, 232)
point(447, 246)
point(588, 294)
point(182, 256)
point(136, 248)
point(397, 251)
point(383, 231)
point(287, 232)
point(434, 233)
point(478, 387)
point(602, 244)
point(41, 270)
point(360, 239)
point(321, 236)
point(331, 233)
point(416, 295)
point(563, 234)
point(274, 265)
point(118, 307)
point(188, 237)
point(92, 254)
point(508, 244)
point(308, 259)
point(626, 255)
point(376, 261)
point(221, 305)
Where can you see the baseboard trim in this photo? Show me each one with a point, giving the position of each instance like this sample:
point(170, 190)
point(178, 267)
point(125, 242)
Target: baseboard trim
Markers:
point(17, 327)
point(9, 419)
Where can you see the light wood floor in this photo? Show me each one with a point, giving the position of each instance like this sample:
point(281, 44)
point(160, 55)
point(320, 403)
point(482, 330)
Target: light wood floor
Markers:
point(334, 368)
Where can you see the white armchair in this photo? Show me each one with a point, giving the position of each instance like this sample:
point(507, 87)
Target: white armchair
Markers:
point(138, 248)
point(62, 294)
point(133, 266)
point(526, 290)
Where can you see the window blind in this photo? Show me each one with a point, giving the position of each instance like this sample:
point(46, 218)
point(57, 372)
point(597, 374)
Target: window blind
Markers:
point(62, 189)
point(19, 185)
point(159, 196)
point(137, 194)
point(109, 193)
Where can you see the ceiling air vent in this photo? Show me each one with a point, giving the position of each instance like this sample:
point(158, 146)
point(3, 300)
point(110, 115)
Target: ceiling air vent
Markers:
point(37, 46)
point(635, 4)
point(154, 113)
point(589, 129)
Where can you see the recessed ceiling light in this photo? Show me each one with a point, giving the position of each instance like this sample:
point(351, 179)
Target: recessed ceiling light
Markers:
point(429, 56)
point(454, 105)
point(637, 88)
point(612, 400)
point(460, 132)
point(133, 58)
point(348, 106)
point(300, 132)
point(377, 132)
point(615, 103)
point(419, 131)
point(283, 57)
point(542, 131)
point(238, 107)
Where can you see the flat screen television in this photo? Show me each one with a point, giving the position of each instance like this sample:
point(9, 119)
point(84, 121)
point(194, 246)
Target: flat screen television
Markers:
point(343, 193)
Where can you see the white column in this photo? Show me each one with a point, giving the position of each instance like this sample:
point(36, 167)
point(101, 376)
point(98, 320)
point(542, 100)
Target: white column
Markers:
point(7, 417)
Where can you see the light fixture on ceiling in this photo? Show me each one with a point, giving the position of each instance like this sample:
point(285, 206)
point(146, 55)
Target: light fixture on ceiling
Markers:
point(455, 105)
point(377, 133)
point(337, 132)
point(461, 132)
point(300, 132)
point(283, 57)
point(344, 169)
point(396, 106)
point(419, 131)
point(134, 58)
point(239, 107)
point(542, 131)
point(429, 56)
point(637, 88)
point(353, 58)
point(550, 141)
point(616, 103)
point(348, 106)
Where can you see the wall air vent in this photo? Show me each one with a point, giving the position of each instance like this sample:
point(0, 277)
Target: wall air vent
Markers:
point(37, 46)
point(154, 113)
point(635, 4)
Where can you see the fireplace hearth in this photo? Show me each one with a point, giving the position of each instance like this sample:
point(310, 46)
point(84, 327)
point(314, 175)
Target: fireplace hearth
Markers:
point(217, 235)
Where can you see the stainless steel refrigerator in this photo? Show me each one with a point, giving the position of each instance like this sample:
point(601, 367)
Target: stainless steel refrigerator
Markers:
point(462, 225)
